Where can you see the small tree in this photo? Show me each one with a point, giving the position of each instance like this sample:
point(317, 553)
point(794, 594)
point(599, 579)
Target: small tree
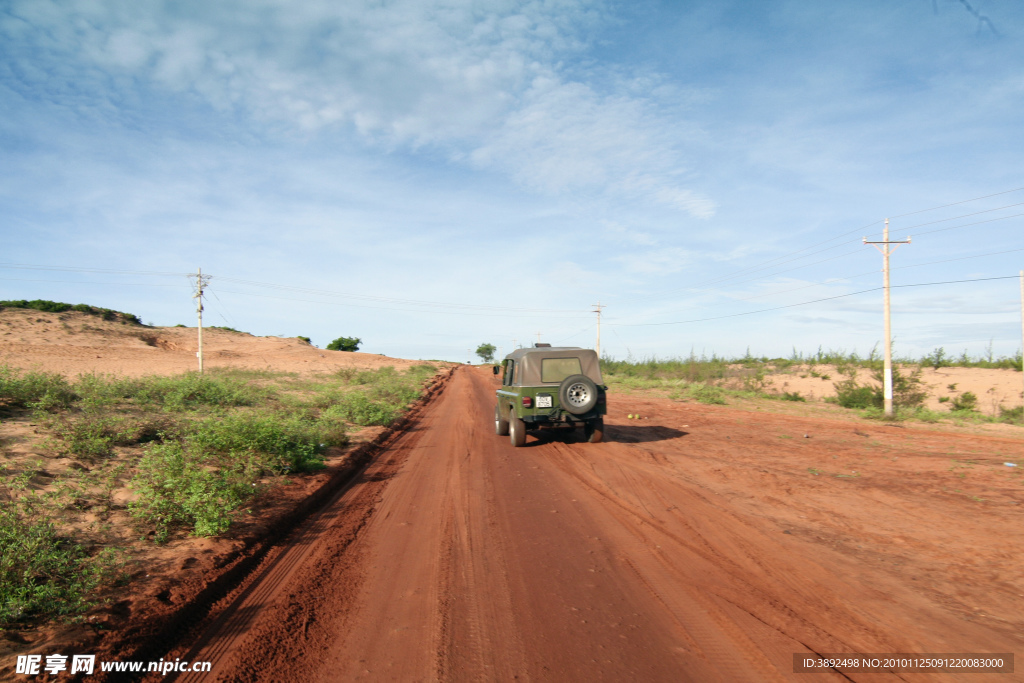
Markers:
point(345, 344)
point(486, 352)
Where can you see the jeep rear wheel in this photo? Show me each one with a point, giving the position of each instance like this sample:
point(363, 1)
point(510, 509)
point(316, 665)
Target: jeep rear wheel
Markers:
point(500, 423)
point(516, 429)
point(577, 394)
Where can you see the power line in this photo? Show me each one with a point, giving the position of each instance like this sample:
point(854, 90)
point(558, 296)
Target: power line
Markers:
point(965, 201)
point(966, 215)
point(406, 310)
point(793, 256)
point(415, 302)
point(875, 272)
point(301, 290)
point(806, 303)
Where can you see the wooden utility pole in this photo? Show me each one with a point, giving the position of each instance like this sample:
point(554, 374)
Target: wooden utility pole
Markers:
point(597, 309)
point(886, 250)
point(201, 283)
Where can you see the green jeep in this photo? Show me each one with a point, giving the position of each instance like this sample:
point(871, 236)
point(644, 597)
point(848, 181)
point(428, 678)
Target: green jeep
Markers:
point(550, 387)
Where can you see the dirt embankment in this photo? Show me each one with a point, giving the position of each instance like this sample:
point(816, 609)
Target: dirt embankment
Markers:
point(992, 387)
point(73, 343)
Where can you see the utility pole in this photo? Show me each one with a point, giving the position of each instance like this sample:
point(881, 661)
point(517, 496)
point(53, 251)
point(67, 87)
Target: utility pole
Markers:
point(514, 347)
point(597, 309)
point(886, 250)
point(201, 283)
point(538, 337)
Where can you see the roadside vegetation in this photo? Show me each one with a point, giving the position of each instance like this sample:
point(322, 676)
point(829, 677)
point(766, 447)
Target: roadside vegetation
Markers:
point(714, 379)
point(121, 459)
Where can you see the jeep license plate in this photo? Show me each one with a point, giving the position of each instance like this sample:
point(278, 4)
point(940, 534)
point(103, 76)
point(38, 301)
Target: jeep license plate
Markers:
point(543, 401)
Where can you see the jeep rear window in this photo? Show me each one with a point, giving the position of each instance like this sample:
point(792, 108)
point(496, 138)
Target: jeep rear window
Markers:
point(556, 369)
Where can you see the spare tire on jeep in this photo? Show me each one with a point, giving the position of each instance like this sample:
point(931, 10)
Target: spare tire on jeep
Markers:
point(577, 394)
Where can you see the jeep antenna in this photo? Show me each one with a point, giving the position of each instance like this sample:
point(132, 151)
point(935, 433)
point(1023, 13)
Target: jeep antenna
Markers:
point(597, 309)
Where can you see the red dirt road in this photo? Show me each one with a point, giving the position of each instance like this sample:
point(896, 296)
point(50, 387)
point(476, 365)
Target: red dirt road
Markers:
point(703, 543)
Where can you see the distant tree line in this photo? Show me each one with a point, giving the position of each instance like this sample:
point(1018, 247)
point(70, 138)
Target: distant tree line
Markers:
point(59, 307)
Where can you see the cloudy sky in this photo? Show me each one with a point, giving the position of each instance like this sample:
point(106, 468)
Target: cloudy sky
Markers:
point(428, 175)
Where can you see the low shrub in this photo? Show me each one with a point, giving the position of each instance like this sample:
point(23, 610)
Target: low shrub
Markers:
point(40, 390)
point(292, 444)
point(966, 401)
point(91, 435)
point(360, 409)
point(43, 574)
point(193, 390)
point(907, 391)
point(1011, 414)
point(177, 487)
point(707, 393)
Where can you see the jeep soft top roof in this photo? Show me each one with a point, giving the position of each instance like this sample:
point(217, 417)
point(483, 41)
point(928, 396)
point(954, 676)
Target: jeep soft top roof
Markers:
point(529, 362)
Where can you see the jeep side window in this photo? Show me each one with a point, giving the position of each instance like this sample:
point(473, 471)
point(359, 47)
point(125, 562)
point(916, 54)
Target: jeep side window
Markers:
point(509, 366)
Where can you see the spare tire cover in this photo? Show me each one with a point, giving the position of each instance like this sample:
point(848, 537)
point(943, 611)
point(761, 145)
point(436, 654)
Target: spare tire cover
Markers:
point(577, 394)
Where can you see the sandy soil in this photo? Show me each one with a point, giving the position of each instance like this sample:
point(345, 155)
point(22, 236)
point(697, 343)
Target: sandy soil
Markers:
point(73, 343)
point(994, 388)
point(700, 543)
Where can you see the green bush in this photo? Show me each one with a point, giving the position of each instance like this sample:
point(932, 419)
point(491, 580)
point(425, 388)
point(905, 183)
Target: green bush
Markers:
point(708, 393)
point(345, 344)
point(177, 487)
point(358, 408)
point(907, 392)
point(792, 396)
point(39, 390)
point(193, 390)
point(43, 574)
point(91, 435)
point(96, 391)
point(201, 481)
point(292, 443)
point(966, 401)
point(1011, 414)
point(849, 394)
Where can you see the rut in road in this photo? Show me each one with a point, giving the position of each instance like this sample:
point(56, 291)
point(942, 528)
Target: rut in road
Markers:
point(456, 556)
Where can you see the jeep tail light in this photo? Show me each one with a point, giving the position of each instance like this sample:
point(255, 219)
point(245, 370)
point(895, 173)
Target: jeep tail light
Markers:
point(527, 402)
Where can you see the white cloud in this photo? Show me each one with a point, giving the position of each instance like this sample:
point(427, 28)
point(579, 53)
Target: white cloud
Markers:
point(479, 82)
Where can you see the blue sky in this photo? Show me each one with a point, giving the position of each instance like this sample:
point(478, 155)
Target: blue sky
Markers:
point(429, 175)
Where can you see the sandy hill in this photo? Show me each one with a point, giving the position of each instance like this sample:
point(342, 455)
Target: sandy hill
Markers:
point(72, 343)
